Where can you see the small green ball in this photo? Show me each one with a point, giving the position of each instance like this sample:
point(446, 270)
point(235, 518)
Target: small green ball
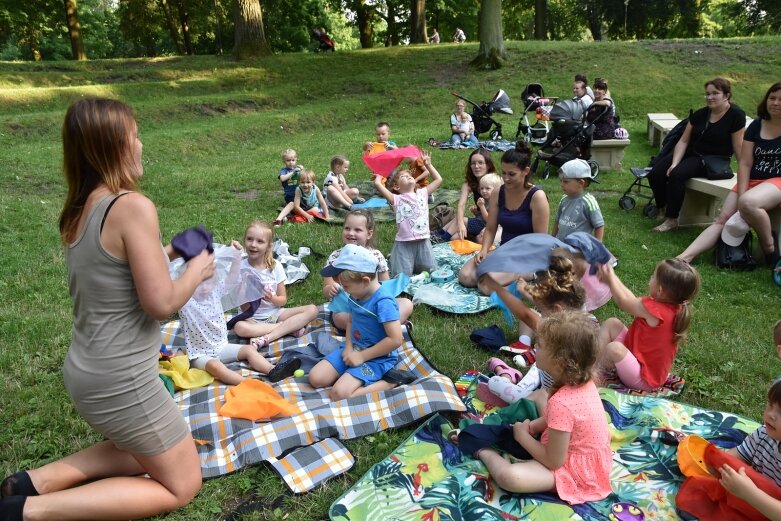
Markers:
point(298, 373)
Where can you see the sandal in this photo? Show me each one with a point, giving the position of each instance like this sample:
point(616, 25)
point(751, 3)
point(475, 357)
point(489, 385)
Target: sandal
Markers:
point(485, 395)
point(284, 370)
point(499, 368)
point(666, 226)
point(259, 342)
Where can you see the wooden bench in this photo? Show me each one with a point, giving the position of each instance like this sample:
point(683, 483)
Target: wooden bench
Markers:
point(704, 199)
point(659, 125)
point(608, 153)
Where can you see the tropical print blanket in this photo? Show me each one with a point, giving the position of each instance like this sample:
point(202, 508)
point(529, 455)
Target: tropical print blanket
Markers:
point(305, 448)
point(428, 478)
point(450, 297)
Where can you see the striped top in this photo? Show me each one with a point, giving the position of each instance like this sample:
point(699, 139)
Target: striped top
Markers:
point(761, 451)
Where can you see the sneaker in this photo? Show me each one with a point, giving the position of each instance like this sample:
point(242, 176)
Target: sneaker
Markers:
point(516, 347)
point(524, 359)
point(277, 223)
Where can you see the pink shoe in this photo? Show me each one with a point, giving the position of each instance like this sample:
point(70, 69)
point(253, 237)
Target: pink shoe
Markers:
point(499, 368)
point(259, 342)
point(301, 332)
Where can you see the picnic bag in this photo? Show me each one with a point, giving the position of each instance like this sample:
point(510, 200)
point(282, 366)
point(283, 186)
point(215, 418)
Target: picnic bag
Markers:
point(735, 257)
point(440, 216)
point(717, 167)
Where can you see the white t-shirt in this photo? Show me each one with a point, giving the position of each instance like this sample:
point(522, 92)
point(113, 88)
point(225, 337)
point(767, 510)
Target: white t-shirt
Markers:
point(268, 280)
point(463, 126)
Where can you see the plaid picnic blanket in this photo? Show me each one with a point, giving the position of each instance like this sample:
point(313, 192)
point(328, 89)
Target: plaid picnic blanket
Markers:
point(427, 477)
point(450, 297)
point(305, 449)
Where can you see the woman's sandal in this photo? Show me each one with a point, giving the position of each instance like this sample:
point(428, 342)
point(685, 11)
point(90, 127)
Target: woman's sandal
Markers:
point(500, 368)
point(666, 226)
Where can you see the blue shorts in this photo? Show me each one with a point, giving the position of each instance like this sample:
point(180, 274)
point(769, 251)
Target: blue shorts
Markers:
point(368, 372)
point(474, 226)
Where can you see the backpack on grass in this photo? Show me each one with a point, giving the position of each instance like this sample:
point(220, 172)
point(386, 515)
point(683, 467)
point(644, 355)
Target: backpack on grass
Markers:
point(440, 215)
point(737, 258)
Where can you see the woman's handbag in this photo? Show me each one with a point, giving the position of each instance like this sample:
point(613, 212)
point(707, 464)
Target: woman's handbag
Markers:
point(717, 167)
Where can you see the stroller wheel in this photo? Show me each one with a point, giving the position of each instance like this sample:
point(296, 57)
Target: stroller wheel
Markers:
point(650, 210)
point(626, 203)
point(546, 171)
point(594, 168)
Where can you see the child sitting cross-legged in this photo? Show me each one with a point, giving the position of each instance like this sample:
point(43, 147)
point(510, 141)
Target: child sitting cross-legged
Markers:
point(308, 201)
point(411, 253)
point(373, 330)
point(573, 456)
point(336, 191)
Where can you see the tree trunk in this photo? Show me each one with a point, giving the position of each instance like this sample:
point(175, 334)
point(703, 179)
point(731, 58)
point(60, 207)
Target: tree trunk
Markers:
point(594, 20)
point(393, 31)
point(492, 52)
point(184, 23)
point(365, 14)
point(250, 37)
point(74, 30)
point(173, 29)
point(540, 18)
point(417, 21)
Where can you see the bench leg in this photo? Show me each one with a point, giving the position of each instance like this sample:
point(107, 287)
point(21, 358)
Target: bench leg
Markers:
point(698, 208)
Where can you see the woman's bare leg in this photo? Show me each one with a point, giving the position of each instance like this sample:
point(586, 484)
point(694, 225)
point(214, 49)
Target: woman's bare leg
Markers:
point(754, 205)
point(708, 238)
point(175, 478)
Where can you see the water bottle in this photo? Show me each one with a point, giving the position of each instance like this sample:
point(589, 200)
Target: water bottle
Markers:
point(420, 277)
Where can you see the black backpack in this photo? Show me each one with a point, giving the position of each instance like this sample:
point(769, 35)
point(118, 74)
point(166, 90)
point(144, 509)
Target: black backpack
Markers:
point(735, 257)
point(671, 139)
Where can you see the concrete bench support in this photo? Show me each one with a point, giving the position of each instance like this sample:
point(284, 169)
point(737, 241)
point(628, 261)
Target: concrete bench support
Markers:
point(609, 152)
point(659, 125)
point(704, 199)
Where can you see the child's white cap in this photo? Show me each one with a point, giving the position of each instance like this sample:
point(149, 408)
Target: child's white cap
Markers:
point(735, 230)
point(576, 169)
point(352, 258)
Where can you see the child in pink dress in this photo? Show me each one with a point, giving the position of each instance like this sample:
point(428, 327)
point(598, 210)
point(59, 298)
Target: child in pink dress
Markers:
point(573, 456)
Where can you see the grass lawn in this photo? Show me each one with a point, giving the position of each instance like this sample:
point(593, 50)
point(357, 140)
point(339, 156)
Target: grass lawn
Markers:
point(213, 132)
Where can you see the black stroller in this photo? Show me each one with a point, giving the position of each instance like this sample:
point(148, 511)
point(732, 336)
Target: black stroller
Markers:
point(569, 137)
point(534, 124)
point(481, 114)
point(638, 187)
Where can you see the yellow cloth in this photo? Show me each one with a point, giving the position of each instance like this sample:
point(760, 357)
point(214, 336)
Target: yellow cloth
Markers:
point(178, 369)
point(377, 147)
point(464, 247)
point(255, 400)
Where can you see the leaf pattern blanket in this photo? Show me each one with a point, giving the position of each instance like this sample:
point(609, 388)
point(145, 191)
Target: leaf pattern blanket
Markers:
point(427, 478)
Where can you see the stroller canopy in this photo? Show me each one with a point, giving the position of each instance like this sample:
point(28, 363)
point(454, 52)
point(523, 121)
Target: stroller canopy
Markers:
point(567, 110)
point(531, 93)
point(500, 103)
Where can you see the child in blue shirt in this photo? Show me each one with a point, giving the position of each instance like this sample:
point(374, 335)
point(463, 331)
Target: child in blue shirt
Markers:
point(373, 330)
point(288, 176)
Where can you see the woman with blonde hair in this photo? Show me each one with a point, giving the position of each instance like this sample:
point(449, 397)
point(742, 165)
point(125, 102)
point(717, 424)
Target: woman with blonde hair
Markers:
point(120, 287)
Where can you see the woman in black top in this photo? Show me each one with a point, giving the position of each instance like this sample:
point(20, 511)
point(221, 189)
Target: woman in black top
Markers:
point(716, 129)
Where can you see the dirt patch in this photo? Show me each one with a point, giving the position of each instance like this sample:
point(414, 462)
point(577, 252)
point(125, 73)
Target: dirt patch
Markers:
point(446, 74)
point(27, 130)
point(695, 52)
point(249, 195)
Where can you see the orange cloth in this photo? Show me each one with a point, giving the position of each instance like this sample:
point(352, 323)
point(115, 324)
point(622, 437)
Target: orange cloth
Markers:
point(465, 247)
point(255, 400)
point(416, 168)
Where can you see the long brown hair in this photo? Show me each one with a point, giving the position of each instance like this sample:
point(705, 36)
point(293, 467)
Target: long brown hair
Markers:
point(97, 145)
point(470, 177)
point(571, 340)
point(559, 284)
point(680, 283)
point(520, 156)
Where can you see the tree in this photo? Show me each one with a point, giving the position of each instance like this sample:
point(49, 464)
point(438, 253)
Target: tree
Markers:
point(365, 14)
point(74, 30)
point(492, 51)
point(540, 17)
point(250, 38)
point(417, 22)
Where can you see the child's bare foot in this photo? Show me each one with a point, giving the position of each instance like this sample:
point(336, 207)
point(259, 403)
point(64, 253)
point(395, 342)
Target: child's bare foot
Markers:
point(301, 332)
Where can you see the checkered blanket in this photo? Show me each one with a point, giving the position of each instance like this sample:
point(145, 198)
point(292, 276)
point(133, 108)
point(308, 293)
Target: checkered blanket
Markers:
point(305, 449)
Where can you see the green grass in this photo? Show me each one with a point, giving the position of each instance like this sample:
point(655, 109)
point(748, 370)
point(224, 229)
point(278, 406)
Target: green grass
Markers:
point(213, 132)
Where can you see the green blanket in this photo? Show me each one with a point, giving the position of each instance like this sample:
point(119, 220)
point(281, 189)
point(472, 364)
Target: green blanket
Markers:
point(428, 478)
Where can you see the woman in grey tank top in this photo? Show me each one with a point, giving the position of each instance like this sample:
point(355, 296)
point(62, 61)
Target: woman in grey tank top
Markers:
point(120, 288)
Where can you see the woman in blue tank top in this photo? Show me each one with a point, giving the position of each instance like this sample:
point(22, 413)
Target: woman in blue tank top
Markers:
point(519, 207)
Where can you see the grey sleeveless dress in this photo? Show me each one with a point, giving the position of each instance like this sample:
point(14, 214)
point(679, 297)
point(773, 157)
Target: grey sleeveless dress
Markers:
point(111, 368)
